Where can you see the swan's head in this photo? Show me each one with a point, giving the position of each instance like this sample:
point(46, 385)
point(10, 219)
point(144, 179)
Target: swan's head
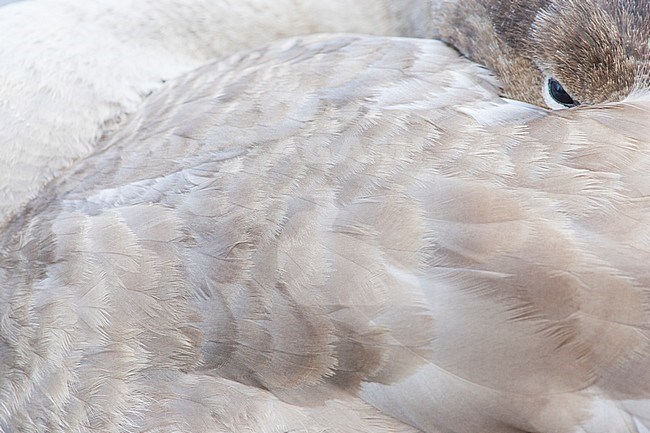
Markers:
point(558, 53)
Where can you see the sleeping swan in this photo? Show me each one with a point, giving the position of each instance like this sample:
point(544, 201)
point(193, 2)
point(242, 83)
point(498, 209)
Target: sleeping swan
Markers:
point(337, 233)
point(559, 53)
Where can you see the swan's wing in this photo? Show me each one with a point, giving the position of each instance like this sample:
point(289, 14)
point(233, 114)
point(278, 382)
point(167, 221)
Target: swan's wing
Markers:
point(344, 217)
point(72, 69)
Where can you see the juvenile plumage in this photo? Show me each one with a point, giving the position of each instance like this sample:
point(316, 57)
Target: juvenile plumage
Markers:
point(598, 50)
point(71, 70)
point(337, 233)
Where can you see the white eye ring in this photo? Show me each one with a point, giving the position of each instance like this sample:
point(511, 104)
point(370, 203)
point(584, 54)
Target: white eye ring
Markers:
point(555, 96)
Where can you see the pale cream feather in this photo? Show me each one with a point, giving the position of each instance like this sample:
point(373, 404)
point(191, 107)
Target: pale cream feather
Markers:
point(267, 247)
point(72, 69)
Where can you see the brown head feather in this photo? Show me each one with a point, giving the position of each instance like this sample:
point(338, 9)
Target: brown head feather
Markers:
point(597, 49)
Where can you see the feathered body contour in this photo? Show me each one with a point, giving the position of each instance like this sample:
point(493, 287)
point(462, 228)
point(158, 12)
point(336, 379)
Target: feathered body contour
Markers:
point(72, 70)
point(337, 233)
point(388, 242)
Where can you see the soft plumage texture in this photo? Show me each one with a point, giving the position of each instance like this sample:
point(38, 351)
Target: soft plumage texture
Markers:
point(71, 70)
point(327, 233)
point(597, 49)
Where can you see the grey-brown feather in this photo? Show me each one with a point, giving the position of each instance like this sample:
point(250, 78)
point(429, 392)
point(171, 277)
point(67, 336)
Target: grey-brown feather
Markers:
point(598, 49)
point(329, 239)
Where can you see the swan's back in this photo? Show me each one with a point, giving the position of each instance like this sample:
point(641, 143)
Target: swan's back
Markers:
point(72, 70)
point(388, 233)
